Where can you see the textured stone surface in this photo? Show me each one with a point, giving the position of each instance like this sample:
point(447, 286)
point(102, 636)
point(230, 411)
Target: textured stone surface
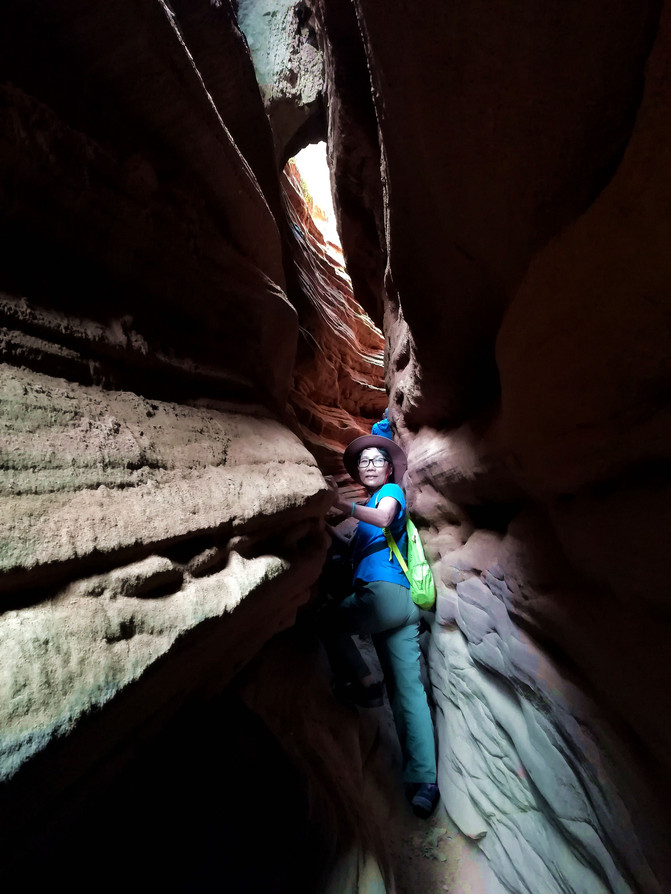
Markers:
point(214, 39)
point(289, 68)
point(595, 305)
point(526, 310)
point(338, 390)
point(354, 151)
point(131, 526)
point(88, 474)
point(160, 520)
point(163, 222)
point(518, 741)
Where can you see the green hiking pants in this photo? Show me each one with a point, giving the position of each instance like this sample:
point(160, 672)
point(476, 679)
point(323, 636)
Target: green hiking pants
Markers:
point(387, 612)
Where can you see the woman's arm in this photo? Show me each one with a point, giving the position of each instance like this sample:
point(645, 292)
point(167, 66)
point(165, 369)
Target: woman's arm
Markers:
point(381, 516)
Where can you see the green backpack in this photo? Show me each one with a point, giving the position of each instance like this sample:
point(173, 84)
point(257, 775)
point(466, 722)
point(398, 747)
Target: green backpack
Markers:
point(418, 572)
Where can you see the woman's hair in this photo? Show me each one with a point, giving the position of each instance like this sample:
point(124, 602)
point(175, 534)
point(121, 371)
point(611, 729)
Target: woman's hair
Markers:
point(385, 454)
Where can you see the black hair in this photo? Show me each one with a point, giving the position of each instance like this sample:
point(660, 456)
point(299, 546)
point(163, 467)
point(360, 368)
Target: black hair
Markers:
point(385, 453)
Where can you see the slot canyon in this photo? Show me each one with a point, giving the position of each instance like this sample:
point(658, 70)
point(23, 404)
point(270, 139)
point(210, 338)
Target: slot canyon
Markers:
point(185, 357)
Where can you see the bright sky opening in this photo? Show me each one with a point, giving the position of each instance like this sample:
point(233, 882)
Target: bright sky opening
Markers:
point(312, 166)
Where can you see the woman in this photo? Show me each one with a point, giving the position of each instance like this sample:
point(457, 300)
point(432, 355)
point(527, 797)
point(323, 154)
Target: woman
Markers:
point(381, 605)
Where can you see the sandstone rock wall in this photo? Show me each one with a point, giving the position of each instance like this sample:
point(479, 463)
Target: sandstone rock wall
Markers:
point(338, 387)
point(338, 390)
point(161, 518)
point(522, 159)
point(289, 68)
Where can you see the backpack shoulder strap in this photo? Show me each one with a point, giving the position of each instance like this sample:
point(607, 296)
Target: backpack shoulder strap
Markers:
point(393, 546)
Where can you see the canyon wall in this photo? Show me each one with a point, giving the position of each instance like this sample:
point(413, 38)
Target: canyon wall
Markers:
point(338, 390)
point(523, 162)
point(183, 356)
point(161, 519)
point(162, 303)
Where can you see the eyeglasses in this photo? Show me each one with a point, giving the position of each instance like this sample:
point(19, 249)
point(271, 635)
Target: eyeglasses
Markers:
point(377, 462)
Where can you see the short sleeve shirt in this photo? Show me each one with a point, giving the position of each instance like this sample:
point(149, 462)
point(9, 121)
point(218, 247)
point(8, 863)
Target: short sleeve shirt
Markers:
point(381, 564)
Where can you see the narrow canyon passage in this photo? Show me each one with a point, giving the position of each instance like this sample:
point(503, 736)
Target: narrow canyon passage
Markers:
point(184, 359)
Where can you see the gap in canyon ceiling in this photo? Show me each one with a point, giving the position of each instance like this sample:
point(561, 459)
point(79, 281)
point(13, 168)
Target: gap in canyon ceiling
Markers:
point(315, 182)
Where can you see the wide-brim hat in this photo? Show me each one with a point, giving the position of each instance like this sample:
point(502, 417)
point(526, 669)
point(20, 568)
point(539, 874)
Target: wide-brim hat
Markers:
point(398, 458)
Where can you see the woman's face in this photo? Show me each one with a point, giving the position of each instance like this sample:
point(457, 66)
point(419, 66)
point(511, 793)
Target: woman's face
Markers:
point(374, 469)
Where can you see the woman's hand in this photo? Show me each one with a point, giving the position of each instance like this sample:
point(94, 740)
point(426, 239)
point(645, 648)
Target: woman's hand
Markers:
point(338, 503)
point(381, 516)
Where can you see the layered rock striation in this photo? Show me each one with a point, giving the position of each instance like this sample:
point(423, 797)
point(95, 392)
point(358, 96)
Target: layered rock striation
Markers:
point(338, 390)
point(174, 333)
point(161, 518)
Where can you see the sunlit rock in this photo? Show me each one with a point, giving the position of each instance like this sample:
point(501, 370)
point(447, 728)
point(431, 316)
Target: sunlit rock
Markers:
point(338, 390)
point(289, 69)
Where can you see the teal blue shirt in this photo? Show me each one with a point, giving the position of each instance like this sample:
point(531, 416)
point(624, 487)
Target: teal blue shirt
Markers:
point(381, 564)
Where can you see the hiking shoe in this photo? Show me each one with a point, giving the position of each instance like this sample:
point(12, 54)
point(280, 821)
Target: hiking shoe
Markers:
point(425, 799)
point(355, 693)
